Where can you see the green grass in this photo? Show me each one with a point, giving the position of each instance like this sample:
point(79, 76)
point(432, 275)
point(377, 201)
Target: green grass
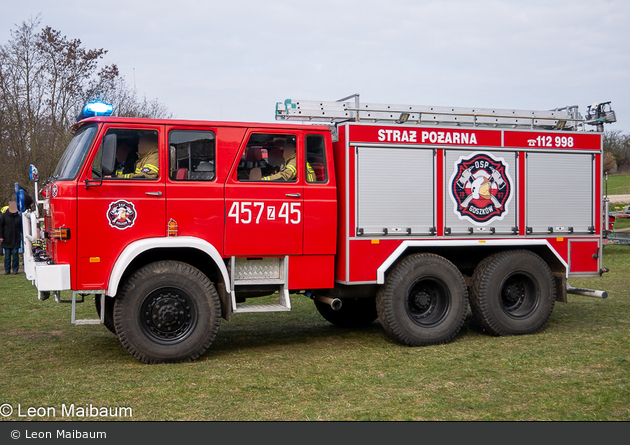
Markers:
point(619, 184)
point(620, 223)
point(296, 366)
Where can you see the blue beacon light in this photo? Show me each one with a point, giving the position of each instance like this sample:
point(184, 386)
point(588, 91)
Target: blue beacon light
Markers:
point(96, 108)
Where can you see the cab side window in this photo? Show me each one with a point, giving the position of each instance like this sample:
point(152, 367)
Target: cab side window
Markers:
point(269, 158)
point(192, 155)
point(315, 159)
point(137, 155)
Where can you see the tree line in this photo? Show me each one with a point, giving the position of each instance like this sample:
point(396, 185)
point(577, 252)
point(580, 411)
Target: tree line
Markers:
point(45, 80)
point(616, 151)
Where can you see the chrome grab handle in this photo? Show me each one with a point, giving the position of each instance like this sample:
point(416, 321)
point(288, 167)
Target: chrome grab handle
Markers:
point(154, 193)
point(293, 195)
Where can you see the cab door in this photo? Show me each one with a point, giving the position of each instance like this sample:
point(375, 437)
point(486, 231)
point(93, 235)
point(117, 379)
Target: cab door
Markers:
point(117, 211)
point(265, 216)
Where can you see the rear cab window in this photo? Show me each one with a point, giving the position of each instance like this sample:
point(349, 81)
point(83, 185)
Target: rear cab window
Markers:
point(192, 155)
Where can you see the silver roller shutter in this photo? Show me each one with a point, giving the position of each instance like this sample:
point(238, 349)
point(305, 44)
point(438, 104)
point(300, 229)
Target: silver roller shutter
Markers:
point(559, 192)
point(395, 191)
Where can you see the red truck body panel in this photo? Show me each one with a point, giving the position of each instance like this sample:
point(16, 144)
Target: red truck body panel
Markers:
point(360, 255)
point(319, 226)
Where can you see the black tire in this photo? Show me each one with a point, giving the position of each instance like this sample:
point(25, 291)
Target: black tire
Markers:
point(167, 311)
point(354, 312)
point(512, 293)
point(108, 320)
point(424, 301)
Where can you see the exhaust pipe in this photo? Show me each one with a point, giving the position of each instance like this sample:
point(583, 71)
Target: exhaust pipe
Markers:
point(335, 303)
point(586, 292)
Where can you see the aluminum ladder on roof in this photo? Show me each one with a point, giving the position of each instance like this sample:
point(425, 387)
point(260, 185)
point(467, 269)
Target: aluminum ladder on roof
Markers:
point(351, 109)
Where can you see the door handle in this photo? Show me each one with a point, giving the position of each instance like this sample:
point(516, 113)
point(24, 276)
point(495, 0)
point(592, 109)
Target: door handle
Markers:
point(154, 193)
point(293, 195)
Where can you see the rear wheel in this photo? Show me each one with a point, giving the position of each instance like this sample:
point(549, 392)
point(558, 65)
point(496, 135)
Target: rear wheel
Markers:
point(512, 293)
point(354, 312)
point(167, 312)
point(423, 301)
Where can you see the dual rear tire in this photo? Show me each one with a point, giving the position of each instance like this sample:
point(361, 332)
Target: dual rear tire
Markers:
point(424, 300)
point(512, 293)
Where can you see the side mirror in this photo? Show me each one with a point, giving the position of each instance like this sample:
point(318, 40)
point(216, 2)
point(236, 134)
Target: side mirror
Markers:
point(108, 158)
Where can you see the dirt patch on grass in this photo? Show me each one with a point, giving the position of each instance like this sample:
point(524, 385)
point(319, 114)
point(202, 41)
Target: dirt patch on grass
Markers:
point(34, 334)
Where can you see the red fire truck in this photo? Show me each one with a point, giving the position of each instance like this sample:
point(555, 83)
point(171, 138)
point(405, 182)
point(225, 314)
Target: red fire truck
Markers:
point(408, 214)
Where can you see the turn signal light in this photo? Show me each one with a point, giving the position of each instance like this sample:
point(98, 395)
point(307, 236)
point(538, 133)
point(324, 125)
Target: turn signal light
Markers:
point(62, 233)
point(172, 227)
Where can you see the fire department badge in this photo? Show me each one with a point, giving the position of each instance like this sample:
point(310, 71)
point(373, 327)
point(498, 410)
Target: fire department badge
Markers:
point(55, 190)
point(121, 214)
point(481, 188)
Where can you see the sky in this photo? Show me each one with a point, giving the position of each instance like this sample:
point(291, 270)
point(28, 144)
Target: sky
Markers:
point(233, 60)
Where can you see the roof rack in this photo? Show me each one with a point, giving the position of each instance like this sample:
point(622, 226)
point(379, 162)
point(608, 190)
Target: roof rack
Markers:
point(350, 109)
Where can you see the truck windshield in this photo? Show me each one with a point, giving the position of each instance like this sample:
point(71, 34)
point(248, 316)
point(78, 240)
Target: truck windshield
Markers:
point(72, 159)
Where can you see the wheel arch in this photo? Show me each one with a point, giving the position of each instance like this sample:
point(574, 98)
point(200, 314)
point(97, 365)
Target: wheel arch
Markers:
point(475, 251)
point(194, 251)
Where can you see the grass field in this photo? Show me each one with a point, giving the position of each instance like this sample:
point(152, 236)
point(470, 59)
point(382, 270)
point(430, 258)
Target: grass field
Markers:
point(620, 223)
point(296, 366)
point(618, 184)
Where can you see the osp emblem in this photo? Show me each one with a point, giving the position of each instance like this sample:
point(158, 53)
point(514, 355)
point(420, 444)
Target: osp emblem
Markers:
point(121, 214)
point(481, 188)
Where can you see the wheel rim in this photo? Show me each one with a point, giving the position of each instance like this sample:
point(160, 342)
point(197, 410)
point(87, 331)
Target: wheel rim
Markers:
point(520, 295)
point(168, 315)
point(428, 301)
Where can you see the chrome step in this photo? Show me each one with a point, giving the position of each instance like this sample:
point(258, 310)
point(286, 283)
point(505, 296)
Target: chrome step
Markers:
point(254, 282)
point(74, 301)
point(261, 271)
point(87, 321)
point(241, 308)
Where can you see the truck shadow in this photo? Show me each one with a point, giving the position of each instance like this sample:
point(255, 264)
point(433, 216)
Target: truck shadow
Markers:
point(276, 334)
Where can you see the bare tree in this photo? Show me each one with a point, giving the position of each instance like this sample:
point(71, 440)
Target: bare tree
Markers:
point(618, 145)
point(45, 79)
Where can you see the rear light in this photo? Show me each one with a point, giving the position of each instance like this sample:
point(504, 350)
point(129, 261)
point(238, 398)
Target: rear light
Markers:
point(61, 233)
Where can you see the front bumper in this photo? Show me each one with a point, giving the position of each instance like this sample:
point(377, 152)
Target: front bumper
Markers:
point(51, 277)
point(46, 277)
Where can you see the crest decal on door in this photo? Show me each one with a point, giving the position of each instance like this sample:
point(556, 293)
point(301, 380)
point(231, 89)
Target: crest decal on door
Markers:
point(121, 214)
point(481, 188)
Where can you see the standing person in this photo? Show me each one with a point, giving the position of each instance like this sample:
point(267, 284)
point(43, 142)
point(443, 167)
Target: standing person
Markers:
point(11, 238)
point(2, 210)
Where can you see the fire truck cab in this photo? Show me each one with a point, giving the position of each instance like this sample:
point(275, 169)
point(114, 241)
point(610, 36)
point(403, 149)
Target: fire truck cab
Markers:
point(401, 213)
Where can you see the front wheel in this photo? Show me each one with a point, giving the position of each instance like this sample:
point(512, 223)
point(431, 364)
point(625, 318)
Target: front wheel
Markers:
point(423, 301)
point(167, 311)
